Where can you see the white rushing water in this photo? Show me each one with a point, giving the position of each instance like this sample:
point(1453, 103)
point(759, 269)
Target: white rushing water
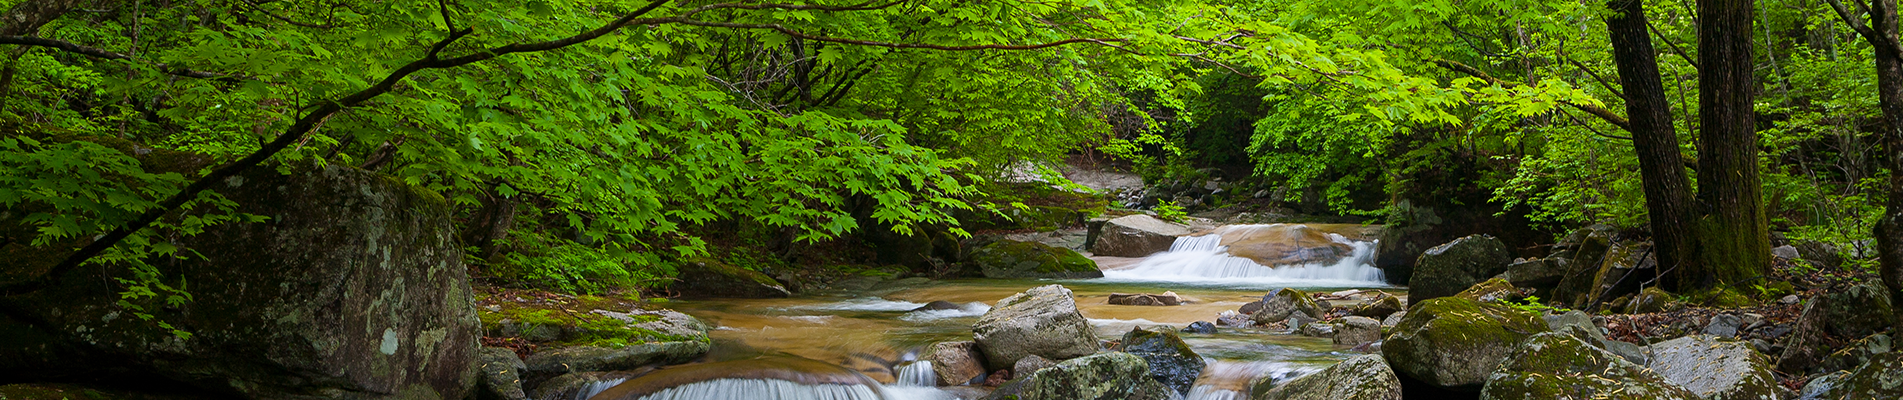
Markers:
point(763, 389)
point(875, 304)
point(1203, 259)
point(591, 389)
point(917, 373)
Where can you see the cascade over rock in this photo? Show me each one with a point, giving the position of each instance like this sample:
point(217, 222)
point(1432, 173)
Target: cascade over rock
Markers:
point(353, 288)
point(1360, 378)
point(1137, 236)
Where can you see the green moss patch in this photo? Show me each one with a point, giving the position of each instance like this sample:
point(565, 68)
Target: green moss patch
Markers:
point(553, 319)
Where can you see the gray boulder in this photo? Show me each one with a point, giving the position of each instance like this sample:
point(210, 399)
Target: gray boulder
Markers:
point(550, 363)
point(1449, 268)
point(709, 277)
point(1857, 311)
point(1360, 378)
point(500, 374)
point(956, 362)
point(1560, 366)
point(1821, 384)
point(1107, 376)
point(1380, 307)
point(1015, 259)
point(1881, 378)
point(1539, 273)
point(1714, 368)
point(1137, 236)
point(1031, 364)
point(1857, 353)
point(1146, 299)
point(1042, 321)
point(1171, 361)
point(1455, 343)
point(1279, 306)
point(1356, 330)
point(1318, 330)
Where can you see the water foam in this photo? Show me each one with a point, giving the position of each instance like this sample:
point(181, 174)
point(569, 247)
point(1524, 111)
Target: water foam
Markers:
point(763, 389)
point(591, 389)
point(1204, 260)
point(917, 373)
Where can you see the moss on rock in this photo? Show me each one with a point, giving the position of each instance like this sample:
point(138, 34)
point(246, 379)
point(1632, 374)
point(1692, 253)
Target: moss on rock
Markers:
point(1454, 342)
point(1560, 366)
point(1015, 259)
point(560, 320)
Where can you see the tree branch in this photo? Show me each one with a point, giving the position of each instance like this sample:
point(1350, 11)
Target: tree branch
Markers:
point(1863, 28)
point(96, 52)
point(1596, 111)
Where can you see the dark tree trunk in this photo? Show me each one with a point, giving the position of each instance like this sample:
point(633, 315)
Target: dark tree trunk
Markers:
point(491, 223)
point(1668, 190)
point(1881, 32)
point(1733, 238)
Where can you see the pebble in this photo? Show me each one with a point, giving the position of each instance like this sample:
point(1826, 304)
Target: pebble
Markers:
point(1788, 300)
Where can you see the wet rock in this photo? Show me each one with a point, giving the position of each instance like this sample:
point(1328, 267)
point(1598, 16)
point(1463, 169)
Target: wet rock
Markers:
point(1560, 366)
point(1296, 321)
point(1277, 307)
point(1233, 319)
point(1318, 330)
point(1449, 268)
point(938, 305)
point(578, 385)
point(500, 374)
point(355, 286)
point(1137, 236)
point(707, 277)
point(1857, 353)
point(1857, 311)
point(1042, 321)
point(1714, 368)
point(1881, 378)
point(1541, 274)
point(1455, 343)
point(1653, 300)
point(1360, 378)
point(1380, 307)
point(1146, 299)
point(955, 363)
point(1029, 364)
point(1171, 361)
point(1724, 325)
point(1356, 330)
point(1282, 244)
point(1014, 259)
point(998, 378)
point(1203, 327)
point(1107, 376)
point(550, 363)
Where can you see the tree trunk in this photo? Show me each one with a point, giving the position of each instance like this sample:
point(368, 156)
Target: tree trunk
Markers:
point(1889, 233)
point(1733, 237)
point(491, 223)
point(1668, 196)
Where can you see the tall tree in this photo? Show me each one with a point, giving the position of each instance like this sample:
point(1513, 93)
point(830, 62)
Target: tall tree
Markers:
point(1733, 236)
point(1881, 32)
point(1668, 196)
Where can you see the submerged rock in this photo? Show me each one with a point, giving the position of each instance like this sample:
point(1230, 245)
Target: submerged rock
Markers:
point(1279, 306)
point(1171, 361)
point(1713, 368)
point(1146, 299)
point(1449, 268)
point(1015, 259)
point(937, 305)
point(1137, 236)
point(1360, 378)
point(550, 363)
point(1560, 366)
point(956, 363)
point(1042, 321)
point(1200, 327)
point(1107, 376)
point(1455, 343)
point(355, 287)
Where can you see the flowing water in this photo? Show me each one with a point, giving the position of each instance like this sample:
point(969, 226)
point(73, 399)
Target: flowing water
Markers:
point(865, 346)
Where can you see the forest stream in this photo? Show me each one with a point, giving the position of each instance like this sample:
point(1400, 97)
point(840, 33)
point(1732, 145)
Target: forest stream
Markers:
point(878, 335)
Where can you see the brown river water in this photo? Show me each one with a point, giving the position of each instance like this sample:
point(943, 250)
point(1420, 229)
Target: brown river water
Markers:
point(875, 334)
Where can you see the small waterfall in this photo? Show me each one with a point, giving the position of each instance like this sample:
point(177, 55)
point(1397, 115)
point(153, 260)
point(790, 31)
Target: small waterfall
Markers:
point(1206, 258)
point(594, 388)
point(763, 389)
point(917, 373)
point(1207, 392)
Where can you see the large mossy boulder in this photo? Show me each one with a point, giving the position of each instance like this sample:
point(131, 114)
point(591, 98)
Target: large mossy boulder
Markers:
point(1360, 378)
point(1284, 303)
point(555, 320)
point(566, 360)
point(1449, 268)
point(712, 278)
point(1043, 321)
point(1015, 259)
point(1714, 368)
point(1107, 376)
point(1559, 366)
point(500, 375)
point(1171, 361)
point(353, 288)
point(1137, 236)
point(1454, 343)
point(1380, 307)
point(1857, 311)
point(1881, 378)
